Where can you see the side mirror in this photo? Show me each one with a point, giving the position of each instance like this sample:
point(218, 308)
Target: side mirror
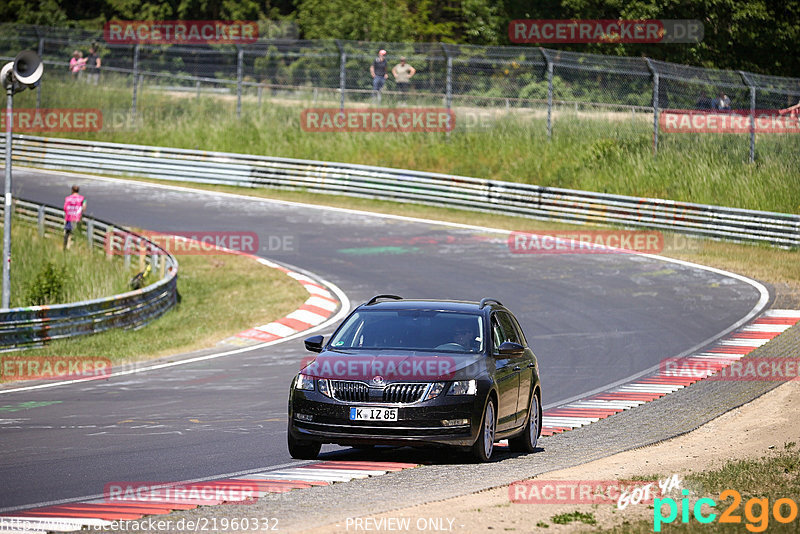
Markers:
point(314, 343)
point(509, 348)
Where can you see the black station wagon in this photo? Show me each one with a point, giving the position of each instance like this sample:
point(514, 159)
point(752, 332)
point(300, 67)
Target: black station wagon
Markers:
point(418, 373)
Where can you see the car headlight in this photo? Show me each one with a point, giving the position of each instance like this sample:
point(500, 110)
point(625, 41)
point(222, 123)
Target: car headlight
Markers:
point(304, 382)
point(324, 387)
point(435, 390)
point(463, 387)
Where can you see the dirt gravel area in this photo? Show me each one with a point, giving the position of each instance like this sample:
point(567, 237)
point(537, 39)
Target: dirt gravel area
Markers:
point(750, 431)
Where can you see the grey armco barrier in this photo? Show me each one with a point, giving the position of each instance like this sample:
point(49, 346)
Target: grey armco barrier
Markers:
point(34, 325)
point(545, 203)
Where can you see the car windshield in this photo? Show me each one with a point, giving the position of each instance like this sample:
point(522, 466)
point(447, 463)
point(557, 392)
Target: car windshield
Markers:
point(413, 330)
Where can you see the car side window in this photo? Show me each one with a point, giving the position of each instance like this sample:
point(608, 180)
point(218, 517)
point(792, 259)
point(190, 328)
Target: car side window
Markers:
point(520, 331)
point(497, 335)
point(509, 330)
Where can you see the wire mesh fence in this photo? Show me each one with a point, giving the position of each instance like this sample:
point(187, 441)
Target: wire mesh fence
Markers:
point(556, 89)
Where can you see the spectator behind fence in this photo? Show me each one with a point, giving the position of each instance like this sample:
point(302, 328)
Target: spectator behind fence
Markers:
point(402, 73)
point(793, 111)
point(93, 66)
point(76, 64)
point(379, 75)
point(74, 206)
point(724, 102)
point(704, 102)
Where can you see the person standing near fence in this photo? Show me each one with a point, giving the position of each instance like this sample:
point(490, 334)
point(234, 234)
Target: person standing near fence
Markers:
point(379, 75)
point(93, 66)
point(402, 73)
point(74, 206)
point(76, 64)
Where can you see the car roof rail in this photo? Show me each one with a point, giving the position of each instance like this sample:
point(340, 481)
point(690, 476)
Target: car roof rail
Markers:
point(375, 299)
point(487, 300)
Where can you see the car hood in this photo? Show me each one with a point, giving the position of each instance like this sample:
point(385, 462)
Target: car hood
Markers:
point(394, 366)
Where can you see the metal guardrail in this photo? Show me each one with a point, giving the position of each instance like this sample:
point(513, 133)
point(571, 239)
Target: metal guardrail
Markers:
point(544, 203)
point(35, 325)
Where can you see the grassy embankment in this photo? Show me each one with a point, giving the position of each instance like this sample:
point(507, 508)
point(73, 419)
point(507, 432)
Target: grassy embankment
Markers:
point(609, 152)
point(75, 274)
point(214, 304)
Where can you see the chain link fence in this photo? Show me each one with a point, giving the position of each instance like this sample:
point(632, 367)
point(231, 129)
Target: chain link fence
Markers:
point(555, 89)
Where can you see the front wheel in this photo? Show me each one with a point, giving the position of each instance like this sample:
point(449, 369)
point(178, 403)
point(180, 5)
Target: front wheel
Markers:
point(526, 442)
point(484, 445)
point(303, 450)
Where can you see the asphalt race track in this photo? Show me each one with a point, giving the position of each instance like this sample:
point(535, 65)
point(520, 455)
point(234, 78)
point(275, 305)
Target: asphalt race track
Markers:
point(592, 319)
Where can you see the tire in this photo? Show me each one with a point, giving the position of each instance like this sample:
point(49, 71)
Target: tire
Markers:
point(526, 442)
point(484, 445)
point(303, 450)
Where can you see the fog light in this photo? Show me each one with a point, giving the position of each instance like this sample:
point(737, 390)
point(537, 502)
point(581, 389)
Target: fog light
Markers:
point(455, 422)
point(303, 417)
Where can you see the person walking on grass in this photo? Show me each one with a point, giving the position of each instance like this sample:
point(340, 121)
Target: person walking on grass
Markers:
point(74, 206)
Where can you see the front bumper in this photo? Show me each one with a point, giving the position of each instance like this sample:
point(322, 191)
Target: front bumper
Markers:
point(418, 424)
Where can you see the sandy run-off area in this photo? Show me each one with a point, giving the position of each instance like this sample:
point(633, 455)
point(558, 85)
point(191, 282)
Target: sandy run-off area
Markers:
point(756, 429)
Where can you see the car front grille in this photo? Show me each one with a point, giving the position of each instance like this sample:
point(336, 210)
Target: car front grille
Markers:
point(403, 393)
point(351, 391)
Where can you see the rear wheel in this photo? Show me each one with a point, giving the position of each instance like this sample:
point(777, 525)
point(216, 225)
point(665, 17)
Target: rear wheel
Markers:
point(303, 450)
point(526, 442)
point(484, 445)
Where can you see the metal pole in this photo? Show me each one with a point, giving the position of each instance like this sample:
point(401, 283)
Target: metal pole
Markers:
point(549, 99)
point(752, 124)
point(135, 82)
point(655, 113)
point(342, 72)
point(748, 83)
point(655, 104)
point(239, 72)
point(449, 83)
point(39, 87)
point(7, 205)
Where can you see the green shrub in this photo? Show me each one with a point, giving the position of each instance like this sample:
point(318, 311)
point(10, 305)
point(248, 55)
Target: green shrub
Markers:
point(48, 285)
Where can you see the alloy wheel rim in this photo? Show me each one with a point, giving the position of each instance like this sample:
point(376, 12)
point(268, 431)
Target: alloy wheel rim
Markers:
point(534, 430)
point(488, 431)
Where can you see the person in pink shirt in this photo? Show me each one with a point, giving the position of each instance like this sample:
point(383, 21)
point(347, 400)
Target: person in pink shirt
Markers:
point(74, 206)
point(77, 63)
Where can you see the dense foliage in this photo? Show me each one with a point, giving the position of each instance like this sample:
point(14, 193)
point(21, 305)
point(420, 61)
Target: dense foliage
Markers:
point(754, 35)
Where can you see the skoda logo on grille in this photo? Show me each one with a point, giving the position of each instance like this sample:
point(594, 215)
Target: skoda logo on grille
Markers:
point(378, 381)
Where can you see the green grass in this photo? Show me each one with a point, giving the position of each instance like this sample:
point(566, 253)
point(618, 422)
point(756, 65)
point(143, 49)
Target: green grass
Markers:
point(597, 152)
point(87, 273)
point(770, 477)
point(571, 517)
point(220, 296)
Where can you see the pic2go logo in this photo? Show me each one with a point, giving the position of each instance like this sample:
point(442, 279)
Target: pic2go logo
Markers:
point(756, 511)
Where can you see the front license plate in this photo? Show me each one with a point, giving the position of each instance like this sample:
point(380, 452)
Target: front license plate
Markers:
point(373, 414)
